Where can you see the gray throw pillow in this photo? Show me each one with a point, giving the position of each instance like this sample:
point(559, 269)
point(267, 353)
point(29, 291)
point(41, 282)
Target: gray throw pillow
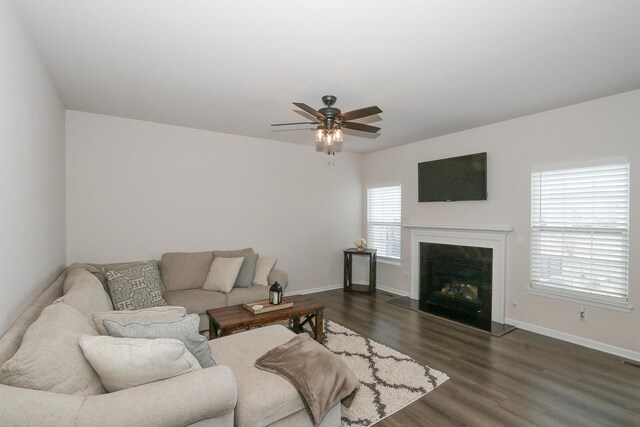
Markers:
point(136, 287)
point(247, 272)
point(184, 329)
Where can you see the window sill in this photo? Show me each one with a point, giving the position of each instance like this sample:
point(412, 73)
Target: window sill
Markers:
point(390, 262)
point(580, 299)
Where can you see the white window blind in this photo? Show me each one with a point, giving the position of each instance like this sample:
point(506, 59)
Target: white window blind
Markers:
point(580, 230)
point(383, 220)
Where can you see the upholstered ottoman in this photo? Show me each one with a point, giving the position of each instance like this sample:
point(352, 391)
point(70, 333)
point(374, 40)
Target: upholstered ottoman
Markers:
point(264, 399)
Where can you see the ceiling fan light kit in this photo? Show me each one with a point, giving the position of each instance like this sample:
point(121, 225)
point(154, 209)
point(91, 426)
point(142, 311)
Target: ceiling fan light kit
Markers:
point(329, 139)
point(331, 120)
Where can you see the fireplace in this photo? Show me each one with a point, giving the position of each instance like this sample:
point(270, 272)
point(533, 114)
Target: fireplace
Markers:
point(478, 264)
point(456, 282)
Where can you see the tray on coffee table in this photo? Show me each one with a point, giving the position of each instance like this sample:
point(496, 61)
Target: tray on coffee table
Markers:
point(266, 307)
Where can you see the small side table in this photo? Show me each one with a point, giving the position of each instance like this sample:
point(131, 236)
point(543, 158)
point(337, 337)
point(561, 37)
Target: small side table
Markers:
point(348, 269)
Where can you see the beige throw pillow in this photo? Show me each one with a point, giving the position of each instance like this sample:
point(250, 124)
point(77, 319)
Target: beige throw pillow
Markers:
point(166, 312)
point(123, 363)
point(49, 358)
point(222, 274)
point(264, 265)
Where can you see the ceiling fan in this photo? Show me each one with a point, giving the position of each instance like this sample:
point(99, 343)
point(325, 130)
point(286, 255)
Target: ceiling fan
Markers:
point(331, 120)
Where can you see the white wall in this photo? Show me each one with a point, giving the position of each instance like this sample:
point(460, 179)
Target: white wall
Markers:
point(607, 127)
point(138, 189)
point(32, 206)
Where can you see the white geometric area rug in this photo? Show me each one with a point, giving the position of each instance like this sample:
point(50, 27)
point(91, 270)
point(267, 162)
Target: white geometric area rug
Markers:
point(389, 380)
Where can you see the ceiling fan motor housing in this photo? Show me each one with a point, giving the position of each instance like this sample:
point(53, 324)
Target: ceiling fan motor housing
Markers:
point(330, 112)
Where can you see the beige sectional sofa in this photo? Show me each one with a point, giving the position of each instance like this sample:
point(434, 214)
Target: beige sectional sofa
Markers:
point(232, 393)
point(184, 273)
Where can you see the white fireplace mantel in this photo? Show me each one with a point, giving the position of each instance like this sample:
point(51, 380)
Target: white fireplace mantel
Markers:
point(477, 228)
point(479, 236)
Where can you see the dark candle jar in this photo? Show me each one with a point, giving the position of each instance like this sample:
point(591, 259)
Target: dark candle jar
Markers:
point(275, 293)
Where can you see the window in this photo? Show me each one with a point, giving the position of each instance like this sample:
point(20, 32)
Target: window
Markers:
point(383, 220)
point(580, 231)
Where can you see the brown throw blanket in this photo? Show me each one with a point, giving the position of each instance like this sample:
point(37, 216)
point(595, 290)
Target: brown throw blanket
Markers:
point(321, 378)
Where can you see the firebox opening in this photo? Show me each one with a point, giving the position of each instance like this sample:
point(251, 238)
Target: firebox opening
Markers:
point(455, 282)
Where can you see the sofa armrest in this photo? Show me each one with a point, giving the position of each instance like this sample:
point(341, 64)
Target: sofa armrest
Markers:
point(24, 407)
point(177, 401)
point(278, 276)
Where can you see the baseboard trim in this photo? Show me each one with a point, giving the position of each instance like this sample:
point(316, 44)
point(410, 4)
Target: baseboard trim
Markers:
point(385, 288)
point(585, 342)
point(314, 290)
point(393, 290)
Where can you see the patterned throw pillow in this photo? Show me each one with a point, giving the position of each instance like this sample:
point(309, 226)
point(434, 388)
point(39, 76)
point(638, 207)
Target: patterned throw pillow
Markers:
point(136, 287)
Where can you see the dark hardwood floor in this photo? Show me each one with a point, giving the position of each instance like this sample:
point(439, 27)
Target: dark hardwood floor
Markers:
point(520, 379)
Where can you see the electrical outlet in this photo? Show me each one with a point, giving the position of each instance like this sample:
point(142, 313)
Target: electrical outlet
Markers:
point(406, 275)
point(514, 302)
point(583, 313)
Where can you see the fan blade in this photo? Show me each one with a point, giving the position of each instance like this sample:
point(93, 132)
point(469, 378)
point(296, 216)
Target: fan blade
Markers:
point(309, 110)
point(297, 123)
point(362, 112)
point(360, 127)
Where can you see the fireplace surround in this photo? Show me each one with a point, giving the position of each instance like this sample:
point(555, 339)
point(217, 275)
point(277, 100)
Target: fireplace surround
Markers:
point(491, 238)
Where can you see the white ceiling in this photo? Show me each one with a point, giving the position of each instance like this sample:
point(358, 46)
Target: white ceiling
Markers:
point(433, 67)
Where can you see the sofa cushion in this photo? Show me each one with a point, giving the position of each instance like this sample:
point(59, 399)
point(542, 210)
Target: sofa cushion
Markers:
point(50, 359)
point(185, 270)
point(186, 329)
point(233, 254)
point(136, 287)
point(245, 295)
point(223, 274)
point(10, 341)
point(196, 301)
point(240, 352)
point(74, 276)
point(166, 312)
point(123, 363)
point(86, 293)
point(247, 272)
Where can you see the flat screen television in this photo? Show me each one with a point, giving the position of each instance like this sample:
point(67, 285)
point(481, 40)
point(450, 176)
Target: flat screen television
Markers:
point(453, 179)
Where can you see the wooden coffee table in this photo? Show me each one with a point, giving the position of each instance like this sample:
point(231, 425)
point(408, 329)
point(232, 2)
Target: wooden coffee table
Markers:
point(226, 320)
